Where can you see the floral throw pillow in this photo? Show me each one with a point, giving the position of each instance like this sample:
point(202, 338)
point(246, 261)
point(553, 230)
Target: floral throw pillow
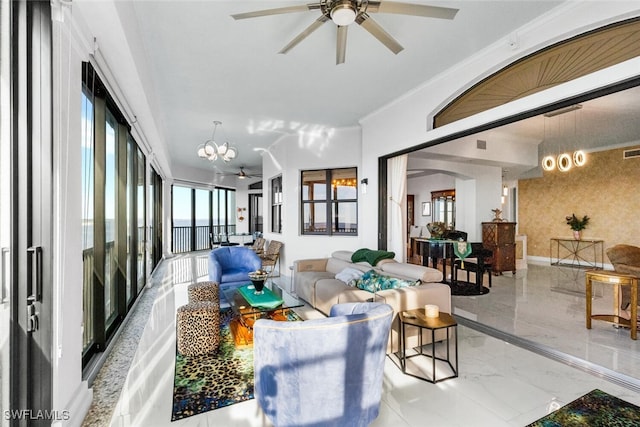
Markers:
point(374, 282)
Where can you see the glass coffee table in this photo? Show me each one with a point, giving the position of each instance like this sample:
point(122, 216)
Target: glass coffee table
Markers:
point(274, 304)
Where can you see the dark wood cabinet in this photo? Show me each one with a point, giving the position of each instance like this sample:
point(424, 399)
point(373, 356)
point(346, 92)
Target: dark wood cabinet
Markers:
point(500, 238)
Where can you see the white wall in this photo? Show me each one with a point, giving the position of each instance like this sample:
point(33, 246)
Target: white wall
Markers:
point(422, 187)
point(242, 201)
point(69, 391)
point(332, 148)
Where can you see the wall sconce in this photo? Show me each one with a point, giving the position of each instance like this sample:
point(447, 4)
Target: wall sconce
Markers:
point(241, 214)
point(364, 183)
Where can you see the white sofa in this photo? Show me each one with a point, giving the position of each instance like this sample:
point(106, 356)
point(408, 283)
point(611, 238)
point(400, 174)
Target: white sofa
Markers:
point(315, 282)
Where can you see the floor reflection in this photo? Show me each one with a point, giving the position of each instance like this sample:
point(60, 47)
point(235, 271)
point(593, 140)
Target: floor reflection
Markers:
point(546, 304)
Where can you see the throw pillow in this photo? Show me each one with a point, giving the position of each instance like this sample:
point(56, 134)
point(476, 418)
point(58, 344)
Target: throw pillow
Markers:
point(374, 282)
point(349, 275)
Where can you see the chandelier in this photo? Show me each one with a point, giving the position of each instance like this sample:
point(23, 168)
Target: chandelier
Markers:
point(211, 151)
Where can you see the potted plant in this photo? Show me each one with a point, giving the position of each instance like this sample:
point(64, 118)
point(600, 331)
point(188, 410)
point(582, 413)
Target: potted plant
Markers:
point(577, 224)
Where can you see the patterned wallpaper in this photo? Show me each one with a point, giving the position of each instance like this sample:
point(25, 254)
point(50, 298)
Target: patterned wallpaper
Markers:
point(606, 189)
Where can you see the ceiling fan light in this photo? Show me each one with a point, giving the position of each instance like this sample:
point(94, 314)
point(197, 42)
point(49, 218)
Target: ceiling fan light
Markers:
point(343, 14)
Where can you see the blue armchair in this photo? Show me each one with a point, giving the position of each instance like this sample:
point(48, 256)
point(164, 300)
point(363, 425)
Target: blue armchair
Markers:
point(323, 372)
point(229, 266)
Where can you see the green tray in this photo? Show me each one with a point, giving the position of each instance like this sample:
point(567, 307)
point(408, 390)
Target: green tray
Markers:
point(267, 299)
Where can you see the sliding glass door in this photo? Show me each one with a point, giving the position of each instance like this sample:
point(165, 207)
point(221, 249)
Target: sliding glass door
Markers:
point(201, 218)
point(26, 222)
point(5, 211)
point(114, 216)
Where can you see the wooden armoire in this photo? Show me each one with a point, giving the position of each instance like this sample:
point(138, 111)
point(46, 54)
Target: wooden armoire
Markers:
point(500, 238)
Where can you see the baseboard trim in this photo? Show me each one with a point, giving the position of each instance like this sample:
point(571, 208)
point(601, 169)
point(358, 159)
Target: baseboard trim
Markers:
point(78, 407)
point(541, 260)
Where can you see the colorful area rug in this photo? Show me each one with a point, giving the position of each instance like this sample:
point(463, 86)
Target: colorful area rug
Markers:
point(211, 381)
point(594, 409)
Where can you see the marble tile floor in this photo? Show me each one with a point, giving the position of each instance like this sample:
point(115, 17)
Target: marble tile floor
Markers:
point(499, 383)
point(546, 305)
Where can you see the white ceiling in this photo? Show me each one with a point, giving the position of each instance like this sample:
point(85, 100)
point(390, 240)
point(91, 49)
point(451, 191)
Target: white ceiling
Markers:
point(202, 65)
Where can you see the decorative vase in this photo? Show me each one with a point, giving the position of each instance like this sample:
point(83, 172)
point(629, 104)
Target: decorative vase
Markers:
point(259, 285)
point(258, 279)
point(577, 234)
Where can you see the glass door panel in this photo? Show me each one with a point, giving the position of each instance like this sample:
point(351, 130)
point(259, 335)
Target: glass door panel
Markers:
point(141, 212)
point(131, 222)
point(88, 254)
point(181, 213)
point(5, 212)
point(231, 212)
point(110, 200)
point(202, 219)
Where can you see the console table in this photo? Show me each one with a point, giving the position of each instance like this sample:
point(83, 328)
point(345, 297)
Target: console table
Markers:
point(577, 253)
point(615, 279)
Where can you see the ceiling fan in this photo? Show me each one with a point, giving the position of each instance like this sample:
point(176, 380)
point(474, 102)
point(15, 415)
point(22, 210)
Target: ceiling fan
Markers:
point(345, 12)
point(242, 174)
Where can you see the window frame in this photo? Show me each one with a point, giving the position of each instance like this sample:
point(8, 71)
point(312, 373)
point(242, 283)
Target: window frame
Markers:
point(276, 204)
point(330, 202)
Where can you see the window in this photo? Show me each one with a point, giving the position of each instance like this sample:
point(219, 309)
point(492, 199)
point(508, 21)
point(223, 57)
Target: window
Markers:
point(114, 198)
point(276, 204)
point(330, 202)
point(201, 218)
point(444, 207)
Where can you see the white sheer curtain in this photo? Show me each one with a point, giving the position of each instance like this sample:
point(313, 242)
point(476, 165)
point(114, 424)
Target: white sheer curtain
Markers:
point(397, 207)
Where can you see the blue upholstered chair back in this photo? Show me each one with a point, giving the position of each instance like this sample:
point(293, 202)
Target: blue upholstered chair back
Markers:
point(230, 266)
point(323, 372)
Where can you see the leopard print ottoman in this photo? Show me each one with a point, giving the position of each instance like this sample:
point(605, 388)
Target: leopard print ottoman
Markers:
point(204, 291)
point(198, 328)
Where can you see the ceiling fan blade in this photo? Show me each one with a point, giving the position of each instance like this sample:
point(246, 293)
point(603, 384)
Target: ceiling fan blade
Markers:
point(277, 11)
point(366, 22)
point(304, 34)
point(341, 46)
point(412, 9)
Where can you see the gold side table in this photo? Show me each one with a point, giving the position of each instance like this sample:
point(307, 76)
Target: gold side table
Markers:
point(615, 279)
point(417, 318)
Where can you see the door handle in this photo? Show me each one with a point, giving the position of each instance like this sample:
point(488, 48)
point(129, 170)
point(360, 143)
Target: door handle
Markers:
point(32, 318)
point(35, 284)
point(3, 273)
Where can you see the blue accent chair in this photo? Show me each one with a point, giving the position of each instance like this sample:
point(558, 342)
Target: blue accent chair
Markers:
point(229, 266)
point(323, 372)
